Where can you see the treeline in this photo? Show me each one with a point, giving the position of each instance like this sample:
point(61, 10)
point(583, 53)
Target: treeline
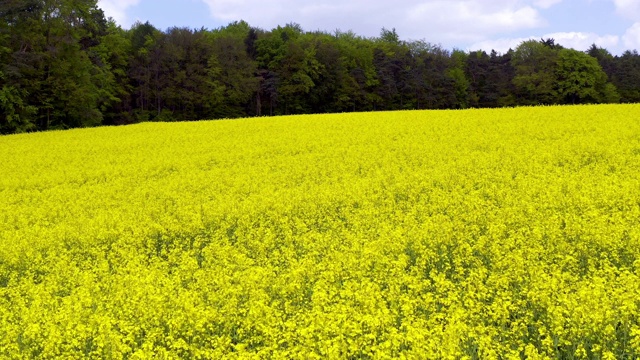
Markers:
point(64, 65)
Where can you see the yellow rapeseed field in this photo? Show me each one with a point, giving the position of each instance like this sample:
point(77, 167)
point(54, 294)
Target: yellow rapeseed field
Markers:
point(492, 234)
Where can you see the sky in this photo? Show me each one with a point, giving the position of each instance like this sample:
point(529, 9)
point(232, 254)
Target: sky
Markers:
point(454, 24)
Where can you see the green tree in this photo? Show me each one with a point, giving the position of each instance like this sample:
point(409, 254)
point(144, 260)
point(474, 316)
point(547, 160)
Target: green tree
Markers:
point(435, 86)
point(15, 115)
point(299, 71)
point(605, 59)
point(394, 62)
point(490, 79)
point(114, 88)
point(143, 39)
point(232, 50)
point(49, 66)
point(580, 79)
point(626, 76)
point(62, 65)
point(535, 75)
point(457, 75)
point(331, 72)
point(183, 81)
point(357, 77)
point(288, 57)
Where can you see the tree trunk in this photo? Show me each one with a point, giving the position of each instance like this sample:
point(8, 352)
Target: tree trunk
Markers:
point(258, 104)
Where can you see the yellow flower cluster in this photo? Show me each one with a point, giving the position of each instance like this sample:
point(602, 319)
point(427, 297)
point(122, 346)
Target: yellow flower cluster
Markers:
point(493, 234)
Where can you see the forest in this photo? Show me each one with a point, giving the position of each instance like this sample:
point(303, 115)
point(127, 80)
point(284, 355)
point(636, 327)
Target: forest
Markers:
point(63, 64)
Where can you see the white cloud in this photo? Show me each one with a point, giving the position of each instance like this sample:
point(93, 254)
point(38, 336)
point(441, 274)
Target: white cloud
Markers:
point(435, 20)
point(467, 20)
point(631, 38)
point(582, 41)
point(117, 9)
point(575, 40)
point(628, 8)
point(545, 4)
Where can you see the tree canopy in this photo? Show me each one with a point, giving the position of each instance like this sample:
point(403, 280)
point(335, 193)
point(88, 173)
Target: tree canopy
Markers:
point(64, 65)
